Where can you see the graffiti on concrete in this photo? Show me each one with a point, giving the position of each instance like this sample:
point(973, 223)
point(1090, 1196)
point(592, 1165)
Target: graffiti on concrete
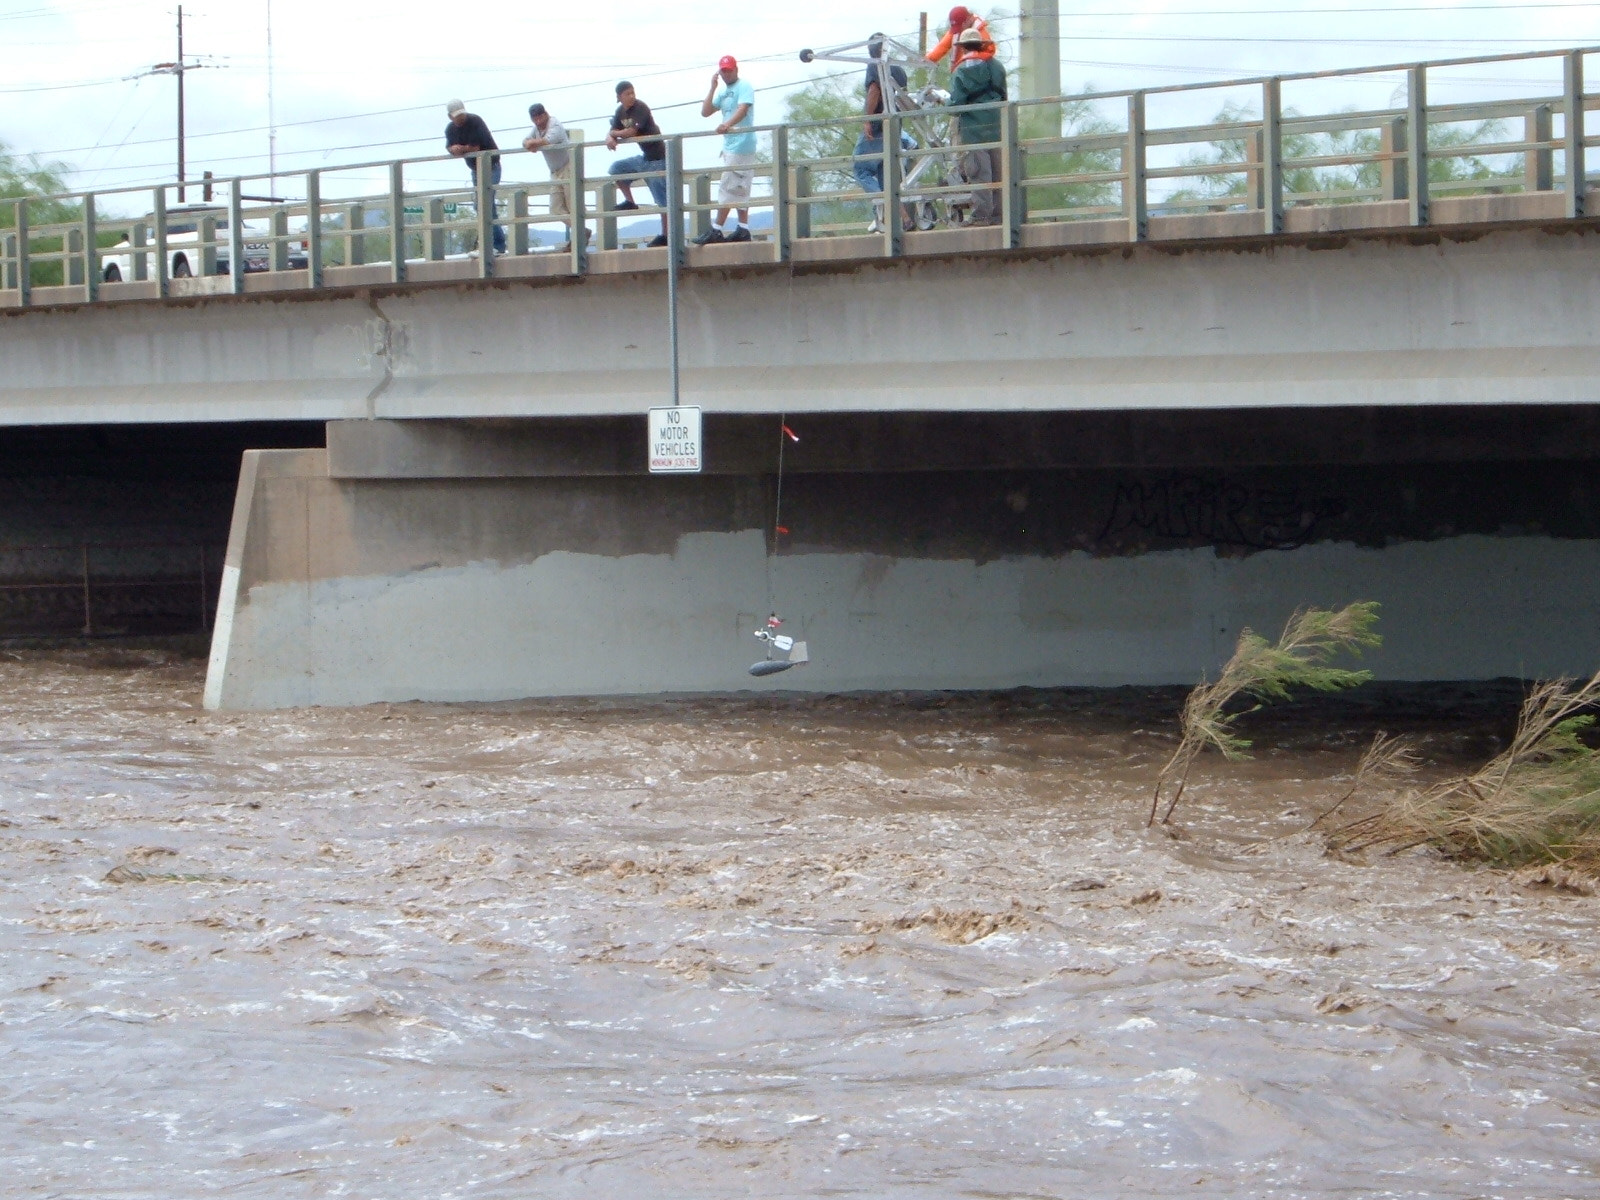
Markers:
point(1195, 509)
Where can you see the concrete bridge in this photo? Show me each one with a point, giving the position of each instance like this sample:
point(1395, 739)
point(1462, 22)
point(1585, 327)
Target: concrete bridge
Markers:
point(1078, 448)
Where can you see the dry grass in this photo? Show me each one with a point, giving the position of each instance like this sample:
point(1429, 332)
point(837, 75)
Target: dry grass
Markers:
point(1265, 671)
point(1537, 802)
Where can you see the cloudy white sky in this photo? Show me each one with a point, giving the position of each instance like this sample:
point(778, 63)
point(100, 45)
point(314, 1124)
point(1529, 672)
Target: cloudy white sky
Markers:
point(354, 82)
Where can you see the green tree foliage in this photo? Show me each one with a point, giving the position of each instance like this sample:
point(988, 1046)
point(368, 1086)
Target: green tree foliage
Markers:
point(29, 180)
point(1346, 183)
point(1266, 671)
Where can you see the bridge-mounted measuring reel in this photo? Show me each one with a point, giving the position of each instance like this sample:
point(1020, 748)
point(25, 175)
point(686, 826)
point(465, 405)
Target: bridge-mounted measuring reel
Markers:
point(922, 116)
point(793, 652)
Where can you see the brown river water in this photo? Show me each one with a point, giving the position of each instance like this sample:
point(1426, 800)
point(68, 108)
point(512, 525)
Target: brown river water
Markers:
point(763, 946)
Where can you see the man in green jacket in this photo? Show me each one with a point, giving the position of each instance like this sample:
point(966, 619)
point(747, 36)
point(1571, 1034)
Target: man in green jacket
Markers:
point(979, 81)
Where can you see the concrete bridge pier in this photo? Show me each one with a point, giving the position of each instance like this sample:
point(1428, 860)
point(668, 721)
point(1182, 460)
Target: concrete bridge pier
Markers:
point(457, 560)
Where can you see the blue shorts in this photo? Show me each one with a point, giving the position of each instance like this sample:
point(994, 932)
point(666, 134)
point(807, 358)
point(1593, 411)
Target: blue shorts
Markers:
point(632, 168)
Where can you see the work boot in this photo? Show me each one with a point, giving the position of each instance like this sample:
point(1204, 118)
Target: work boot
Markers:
point(741, 233)
point(709, 237)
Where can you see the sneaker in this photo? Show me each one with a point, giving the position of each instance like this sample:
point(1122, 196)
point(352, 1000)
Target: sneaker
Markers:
point(659, 240)
point(741, 234)
point(625, 206)
point(709, 237)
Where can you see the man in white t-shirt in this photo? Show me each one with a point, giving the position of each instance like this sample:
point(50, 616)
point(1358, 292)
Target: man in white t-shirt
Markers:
point(736, 100)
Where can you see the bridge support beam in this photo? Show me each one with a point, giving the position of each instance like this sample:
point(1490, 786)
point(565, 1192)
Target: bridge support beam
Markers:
point(444, 561)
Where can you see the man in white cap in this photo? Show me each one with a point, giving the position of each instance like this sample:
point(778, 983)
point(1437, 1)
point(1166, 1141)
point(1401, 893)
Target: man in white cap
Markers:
point(467, 136)
point(980, 79)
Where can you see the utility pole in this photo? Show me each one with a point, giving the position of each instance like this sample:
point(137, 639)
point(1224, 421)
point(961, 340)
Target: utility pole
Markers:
point(1040, 55)
point(179, 68)
point(179, 71)
point(272, 124)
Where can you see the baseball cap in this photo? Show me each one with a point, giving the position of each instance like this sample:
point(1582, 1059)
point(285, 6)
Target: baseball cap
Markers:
point(623, 87)
point(536, 110)
point(728, 63)
point(454, 107)
point(960, 15)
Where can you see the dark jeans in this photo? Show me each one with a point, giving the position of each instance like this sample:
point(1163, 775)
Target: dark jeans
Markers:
point(633, 167)
point(494, 178)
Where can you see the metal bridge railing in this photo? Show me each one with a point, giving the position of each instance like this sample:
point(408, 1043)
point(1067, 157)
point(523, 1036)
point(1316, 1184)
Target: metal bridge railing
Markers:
point(1101, 167)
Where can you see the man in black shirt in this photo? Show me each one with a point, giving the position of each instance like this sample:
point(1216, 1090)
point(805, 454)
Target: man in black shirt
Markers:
point(868, 164)
point(633, 122)
point(468, 134)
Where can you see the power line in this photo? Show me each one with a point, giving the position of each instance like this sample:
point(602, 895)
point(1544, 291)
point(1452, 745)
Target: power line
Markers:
point(414, 108)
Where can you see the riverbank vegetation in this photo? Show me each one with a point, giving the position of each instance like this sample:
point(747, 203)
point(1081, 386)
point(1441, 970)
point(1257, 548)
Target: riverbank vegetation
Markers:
point(1264, 672)
point(1536, 802)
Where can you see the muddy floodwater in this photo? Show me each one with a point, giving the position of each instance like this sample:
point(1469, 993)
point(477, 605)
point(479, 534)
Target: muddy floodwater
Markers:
point(768, 947)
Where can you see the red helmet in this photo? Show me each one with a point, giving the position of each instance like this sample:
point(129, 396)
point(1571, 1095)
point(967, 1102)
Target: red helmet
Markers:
point(728, 63)
point(959, 16)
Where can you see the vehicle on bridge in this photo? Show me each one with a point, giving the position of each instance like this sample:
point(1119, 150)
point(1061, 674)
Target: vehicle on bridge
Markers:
point(198, 244)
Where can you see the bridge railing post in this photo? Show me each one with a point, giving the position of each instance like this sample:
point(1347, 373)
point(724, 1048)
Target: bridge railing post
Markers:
point(893, 234)
point(314, 229)
point(1572, 138)
point(1417, 144)
point(702, 204)
point(1012, 196)
point(355, 237)
point(483, 187)
point(780, 194)
point(520, 237)
point(577, 216)
point(802, 193)
point(24, 259)
point(235, 236)
point(207, 238)
point(1272, 156)
point(1538, 166)
point(435, 236)
point(91, 252)
point(162, 260)
point(1391, 174)
point(138, 261)
point(8, 262)
point(397, 222)
point(1135, 193)
point(606, 207)
point(280, 240)
point(72, 271)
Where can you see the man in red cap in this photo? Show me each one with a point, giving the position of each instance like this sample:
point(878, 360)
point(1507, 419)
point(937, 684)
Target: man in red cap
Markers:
point(962, 18)
point(736, 100)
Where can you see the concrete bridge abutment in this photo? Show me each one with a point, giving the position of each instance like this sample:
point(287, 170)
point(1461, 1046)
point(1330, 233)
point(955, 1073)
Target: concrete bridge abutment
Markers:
point(488, 560)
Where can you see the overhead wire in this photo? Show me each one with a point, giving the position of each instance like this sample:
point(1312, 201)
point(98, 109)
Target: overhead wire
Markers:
point(998, 19)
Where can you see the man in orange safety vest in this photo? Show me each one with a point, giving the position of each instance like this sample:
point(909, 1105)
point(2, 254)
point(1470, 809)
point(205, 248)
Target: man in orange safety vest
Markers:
point(962, 18)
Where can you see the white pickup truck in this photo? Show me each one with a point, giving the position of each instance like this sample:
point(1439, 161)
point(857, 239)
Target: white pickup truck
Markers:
point(186, 253)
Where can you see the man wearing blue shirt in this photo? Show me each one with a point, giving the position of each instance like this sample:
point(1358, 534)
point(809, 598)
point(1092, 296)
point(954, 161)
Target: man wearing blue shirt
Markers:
point(736, 100)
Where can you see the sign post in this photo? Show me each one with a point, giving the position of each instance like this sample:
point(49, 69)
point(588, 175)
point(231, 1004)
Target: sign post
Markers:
point(674, 441)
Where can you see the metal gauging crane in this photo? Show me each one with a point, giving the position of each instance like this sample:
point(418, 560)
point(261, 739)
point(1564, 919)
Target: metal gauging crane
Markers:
point(935, 162)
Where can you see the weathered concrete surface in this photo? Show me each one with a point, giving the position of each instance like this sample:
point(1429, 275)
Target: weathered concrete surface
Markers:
point(342, 592)
point(1498, 317)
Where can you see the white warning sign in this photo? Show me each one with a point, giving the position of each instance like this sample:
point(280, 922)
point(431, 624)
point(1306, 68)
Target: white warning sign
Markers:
point(674, 440)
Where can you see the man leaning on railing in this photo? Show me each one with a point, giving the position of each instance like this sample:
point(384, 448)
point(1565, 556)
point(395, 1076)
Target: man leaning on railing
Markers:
point(633, 122)
point(979, 80)
point(467, 136)
point(550, 136)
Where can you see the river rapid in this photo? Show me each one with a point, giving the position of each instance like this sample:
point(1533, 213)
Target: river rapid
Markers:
point(762, 946)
